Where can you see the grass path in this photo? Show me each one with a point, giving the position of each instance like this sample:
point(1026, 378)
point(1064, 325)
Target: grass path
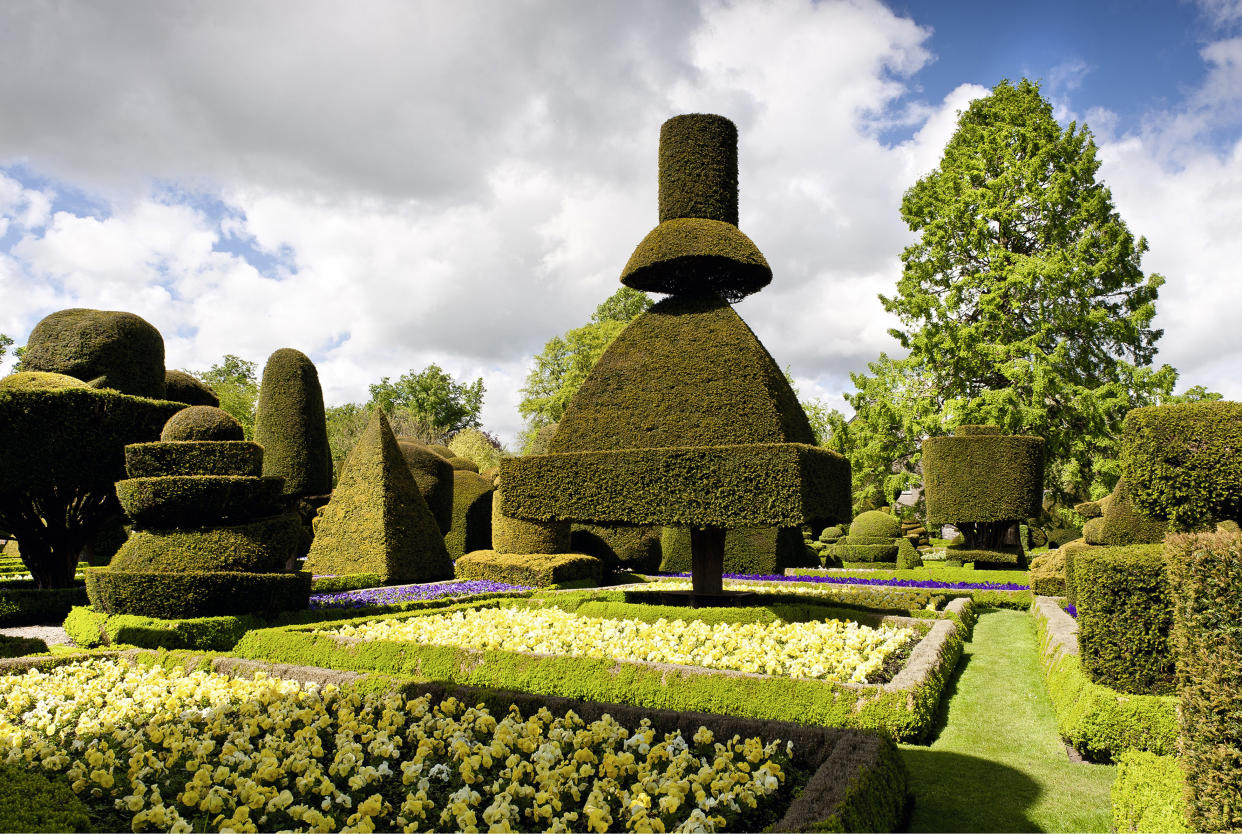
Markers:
point(998, 763)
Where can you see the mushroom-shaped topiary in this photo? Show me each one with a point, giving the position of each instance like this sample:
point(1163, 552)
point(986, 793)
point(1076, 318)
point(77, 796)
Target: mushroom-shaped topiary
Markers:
point(876, 523)
point(291, 426)
point(117, 350)
point(39, 381)
point(181, 387)
point(202, 422)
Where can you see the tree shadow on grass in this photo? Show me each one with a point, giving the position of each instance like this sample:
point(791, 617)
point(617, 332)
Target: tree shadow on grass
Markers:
point(955, 792)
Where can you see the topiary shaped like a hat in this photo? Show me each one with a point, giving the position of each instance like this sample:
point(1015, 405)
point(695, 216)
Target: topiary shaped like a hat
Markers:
point(698, 249)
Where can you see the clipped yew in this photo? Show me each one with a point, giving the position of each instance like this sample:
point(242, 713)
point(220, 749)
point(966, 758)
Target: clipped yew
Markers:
point(291, 426)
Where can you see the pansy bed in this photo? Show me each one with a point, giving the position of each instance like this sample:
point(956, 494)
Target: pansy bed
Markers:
point(151, 746)
point(796, 660)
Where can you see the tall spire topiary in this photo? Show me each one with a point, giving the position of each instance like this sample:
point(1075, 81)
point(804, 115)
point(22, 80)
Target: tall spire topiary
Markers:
point(377, 520)
point(290, 424)
point(686, 420)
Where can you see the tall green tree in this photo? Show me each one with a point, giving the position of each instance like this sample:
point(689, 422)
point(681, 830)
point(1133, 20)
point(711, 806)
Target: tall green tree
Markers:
point(433, 396)
point(1022, 303)
point(567, 360)
point(6, 342)
point(236, 383)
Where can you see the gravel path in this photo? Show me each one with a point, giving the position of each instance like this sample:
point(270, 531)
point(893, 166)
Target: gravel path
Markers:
point(47, 633)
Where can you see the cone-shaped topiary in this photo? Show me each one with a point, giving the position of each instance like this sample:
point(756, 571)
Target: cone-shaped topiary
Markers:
point(120, 350)
point(290, 424)
point(202, 422)
point(434, 476)
point(377, 520)
point(472, 514)
point(180, 387)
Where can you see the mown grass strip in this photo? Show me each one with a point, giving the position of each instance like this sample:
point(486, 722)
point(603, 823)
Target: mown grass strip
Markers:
point(998, 763)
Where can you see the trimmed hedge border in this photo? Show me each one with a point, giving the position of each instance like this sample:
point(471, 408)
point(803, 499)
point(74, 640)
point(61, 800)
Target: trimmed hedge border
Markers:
point(529, 568)
point(1098, 722)
point(195, 500)
point(23, 604)
point(904, 708)
point(185, 595)
point(33, 800)
point(1147, 794)
point(193, 457)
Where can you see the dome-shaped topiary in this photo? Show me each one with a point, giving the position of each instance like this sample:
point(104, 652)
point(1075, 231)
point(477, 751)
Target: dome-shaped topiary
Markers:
point(461, 463)
point(120, 350)
point(876, 524)
point(291, 426)
point(442, 450)
point(202, 422)
point(39, 381)
point(180, 387)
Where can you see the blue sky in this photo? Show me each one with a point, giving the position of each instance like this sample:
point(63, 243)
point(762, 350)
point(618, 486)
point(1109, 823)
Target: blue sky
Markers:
point(424, 182)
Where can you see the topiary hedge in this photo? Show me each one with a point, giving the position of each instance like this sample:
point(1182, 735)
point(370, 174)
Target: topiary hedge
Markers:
point(982, 478)
point(181, 387)
point(530, 569)
point(377, 520)
point(620, 546)
point(512, 535)
point(1183, 462)
point(262, 546)
point(876, 524)
point(110, 348)
point(985, 559)
point(32, 800)
point(202, 423)
point(215, 457)
point(1048, 573)
point(1205, 573)
point(864, 549)
point(705, 486)
point(1121, 522)
point(291, 426)
point(39, 381)
point(434, 477)
point(472, 514)
point(751, 550)
point(184, 595)
point(1124, 617)
point(195, 500)
point(1147, 794)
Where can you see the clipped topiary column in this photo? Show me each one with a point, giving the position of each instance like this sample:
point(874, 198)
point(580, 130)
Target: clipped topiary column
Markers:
point(290, 425)
point(210, 537)
point(377, 520)
point(686, 420)
point(984, 483)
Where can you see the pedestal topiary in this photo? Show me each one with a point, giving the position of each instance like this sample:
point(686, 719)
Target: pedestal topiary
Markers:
point(686, 420)
point(210, 535)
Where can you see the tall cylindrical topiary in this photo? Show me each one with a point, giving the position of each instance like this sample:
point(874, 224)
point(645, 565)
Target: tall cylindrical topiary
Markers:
point(290, 424)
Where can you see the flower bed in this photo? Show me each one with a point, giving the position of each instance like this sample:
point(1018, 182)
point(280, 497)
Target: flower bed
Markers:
point(407, 593)
point(156, 749)
point(831, 650)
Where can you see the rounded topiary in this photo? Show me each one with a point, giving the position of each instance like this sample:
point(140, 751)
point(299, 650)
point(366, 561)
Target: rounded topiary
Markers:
point(442, 450)
point(181, 387)
point(876, 524)
point(119, 350)
point(193, 457)
point(262, 546)
point(291, 426)
point(197, 500)
point(434, 476)
point(39, 381)
point(472, 514)
point(202, 422)
point(464, 464)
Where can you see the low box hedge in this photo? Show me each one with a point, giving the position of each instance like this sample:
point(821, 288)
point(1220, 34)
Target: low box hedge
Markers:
point(536, 569)
point(1147, 794)
point(1098, 722)
point(197, 594)
point(21, 603)
point(904, 708)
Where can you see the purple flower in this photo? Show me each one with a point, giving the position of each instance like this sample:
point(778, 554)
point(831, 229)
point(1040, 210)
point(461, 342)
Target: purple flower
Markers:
point(1072, 610)
point(900, 583)
point(408, 593)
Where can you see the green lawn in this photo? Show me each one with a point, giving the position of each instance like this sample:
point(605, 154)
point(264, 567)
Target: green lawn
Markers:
point(998, 763)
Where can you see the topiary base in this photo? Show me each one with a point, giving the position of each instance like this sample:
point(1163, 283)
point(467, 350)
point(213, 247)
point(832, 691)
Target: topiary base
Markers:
point(529, 568)
point(261, 547)
point(196, 593)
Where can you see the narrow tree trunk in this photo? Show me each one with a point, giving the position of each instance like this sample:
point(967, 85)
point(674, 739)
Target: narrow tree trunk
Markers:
point(707, 560)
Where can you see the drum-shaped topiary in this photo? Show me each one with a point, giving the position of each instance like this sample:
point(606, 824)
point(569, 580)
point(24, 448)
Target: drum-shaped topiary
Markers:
point(114, 349)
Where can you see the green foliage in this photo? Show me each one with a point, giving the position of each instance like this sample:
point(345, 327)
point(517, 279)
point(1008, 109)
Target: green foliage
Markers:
point(1121, 522)
point(1124, 617)
point(513, 535)
point(182, 387)
point(566, 361)
point(21, 603)
point(698, 168)
point(377, 520)
point(1098, 722)
point(637, 394)
point(706, 486)
point(1205, 572)
point(6, 342)
point(754, 550)
point(478, 447)
point(1048, 573)
point(60, 453)
point(1028, 280)
point(1183, 463)
point(11, 646)
point(116, 350)
point(472, 514)
point(876, 523)
point(529, 569)
point(261, 546)
point(346, 423)
point(234, 381)
point(39, 381)
point(434, 477)
point(985, 558)
point(432, 395)
point(190, 457)
point(290, 424)
point(195, 500)
point(1147, 795)
point(33, 800)
point(91, 629)
point(907, 557)
point(982, 478)
point(621, 546)
point(201, 422)
point(173, 596)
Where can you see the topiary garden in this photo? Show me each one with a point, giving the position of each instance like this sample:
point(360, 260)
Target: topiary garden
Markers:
point(664, 616)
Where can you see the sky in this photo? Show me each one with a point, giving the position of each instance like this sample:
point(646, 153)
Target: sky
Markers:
point(395, 183)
